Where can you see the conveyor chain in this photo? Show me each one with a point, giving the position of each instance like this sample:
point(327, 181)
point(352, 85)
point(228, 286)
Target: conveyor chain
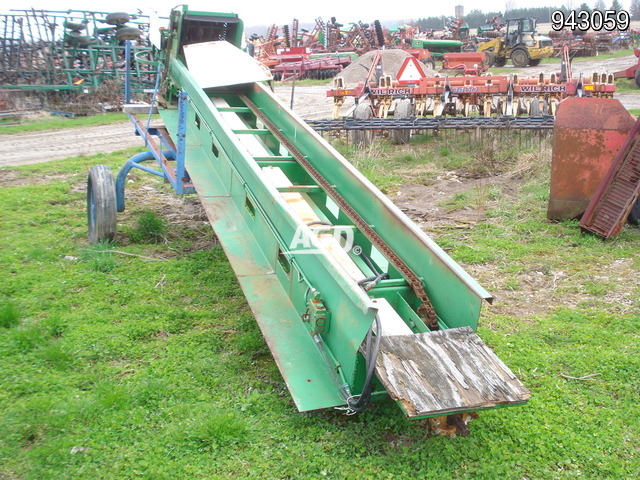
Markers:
point(425, 310)
point(542, 122)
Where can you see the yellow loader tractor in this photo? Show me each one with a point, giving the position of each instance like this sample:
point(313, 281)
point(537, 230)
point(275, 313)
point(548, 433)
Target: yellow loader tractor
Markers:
point(520, 43)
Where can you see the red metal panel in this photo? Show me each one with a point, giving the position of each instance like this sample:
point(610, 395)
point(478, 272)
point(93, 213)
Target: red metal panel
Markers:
point(618, 191)
point(587, 135)
point(631, 71)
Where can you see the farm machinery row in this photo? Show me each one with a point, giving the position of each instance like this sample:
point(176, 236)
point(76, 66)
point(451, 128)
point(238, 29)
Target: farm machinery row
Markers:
point(413, 94)
point(72, 50)
point(590, 44)
point(324, 37)
point(322, 52)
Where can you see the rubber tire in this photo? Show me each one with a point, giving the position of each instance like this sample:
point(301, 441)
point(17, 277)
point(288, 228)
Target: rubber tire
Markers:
point(520, 57)
point(634, 214)
point(534, 62)
point(404, 109)
point(75, 27)
point(638, 77)
point(117, 18)
point(489, 59)
point(429, 63)
point(377, 27)
point(362, 138)
point(500, 62)
point(80, 41)
point(84, 42)
point(101, 205)
point(127, 33)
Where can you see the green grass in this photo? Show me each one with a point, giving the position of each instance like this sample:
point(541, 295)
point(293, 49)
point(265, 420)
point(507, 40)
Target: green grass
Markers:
point(154, 367)
point(605, 56)
point(149, 228)
point(627, 85)
point(428, 156)
point(57, 123)
point(9, 314)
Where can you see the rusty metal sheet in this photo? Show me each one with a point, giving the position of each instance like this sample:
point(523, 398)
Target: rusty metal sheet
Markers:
point(444, 372)
point(618, 192)
point(587, 134)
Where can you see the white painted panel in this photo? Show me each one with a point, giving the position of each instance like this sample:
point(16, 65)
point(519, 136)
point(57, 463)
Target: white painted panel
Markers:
point(218, 64)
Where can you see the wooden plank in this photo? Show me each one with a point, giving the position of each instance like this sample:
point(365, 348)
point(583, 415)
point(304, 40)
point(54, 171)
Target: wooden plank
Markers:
point(445, 372)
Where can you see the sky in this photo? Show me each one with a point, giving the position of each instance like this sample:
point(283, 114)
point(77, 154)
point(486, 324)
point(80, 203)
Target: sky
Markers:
point(268, 12)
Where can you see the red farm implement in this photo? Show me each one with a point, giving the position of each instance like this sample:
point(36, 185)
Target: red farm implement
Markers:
point(298, 62)
point(470, 94)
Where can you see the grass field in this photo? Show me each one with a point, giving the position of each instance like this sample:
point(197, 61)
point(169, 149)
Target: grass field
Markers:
point(141, 360)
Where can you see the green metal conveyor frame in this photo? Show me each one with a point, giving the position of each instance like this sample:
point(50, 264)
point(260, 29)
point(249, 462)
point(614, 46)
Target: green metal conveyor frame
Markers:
point(256, 166)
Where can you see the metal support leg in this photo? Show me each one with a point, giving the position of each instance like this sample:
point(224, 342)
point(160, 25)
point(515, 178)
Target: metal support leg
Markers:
point(183, 104)
point(134, 162)
point(127, 71)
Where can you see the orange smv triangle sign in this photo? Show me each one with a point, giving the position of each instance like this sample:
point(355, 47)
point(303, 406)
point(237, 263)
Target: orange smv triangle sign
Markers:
point(410, 71)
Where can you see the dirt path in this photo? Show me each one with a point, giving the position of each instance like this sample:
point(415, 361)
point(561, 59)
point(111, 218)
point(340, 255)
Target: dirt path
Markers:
point(38, 147)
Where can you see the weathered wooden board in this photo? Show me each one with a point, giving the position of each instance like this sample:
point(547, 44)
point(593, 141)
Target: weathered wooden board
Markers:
point(445, 372)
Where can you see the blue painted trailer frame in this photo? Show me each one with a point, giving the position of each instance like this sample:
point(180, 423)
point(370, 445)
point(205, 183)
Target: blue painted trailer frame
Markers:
point(170, 157)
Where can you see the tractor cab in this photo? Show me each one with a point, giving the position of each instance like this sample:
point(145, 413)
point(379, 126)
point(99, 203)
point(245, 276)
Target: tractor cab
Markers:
point(519, 30)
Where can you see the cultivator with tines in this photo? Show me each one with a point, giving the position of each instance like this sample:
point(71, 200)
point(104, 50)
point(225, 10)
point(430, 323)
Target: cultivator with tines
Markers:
point(295, 55)
point(486, 95)
point(299, 62)
point(72, 50)
point(355, 302)
point(359, 37)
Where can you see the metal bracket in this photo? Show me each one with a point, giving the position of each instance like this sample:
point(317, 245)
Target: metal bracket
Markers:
point(317, 315)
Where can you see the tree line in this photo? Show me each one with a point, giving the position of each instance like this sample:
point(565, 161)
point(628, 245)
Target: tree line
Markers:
point(477, 18)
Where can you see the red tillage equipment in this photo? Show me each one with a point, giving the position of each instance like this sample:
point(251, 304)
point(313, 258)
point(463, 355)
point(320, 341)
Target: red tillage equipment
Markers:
point(467, 63)
point(493, 94)
point(297, 62)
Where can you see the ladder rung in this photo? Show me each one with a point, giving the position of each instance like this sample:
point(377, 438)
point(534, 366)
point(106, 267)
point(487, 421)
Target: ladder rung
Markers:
point(235, 109)
point(252, 131)
point(320, 226)
point(299, 189)
point(274, 159)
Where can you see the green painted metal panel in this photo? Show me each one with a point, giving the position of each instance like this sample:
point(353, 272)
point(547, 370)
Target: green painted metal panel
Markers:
point(303, 368)
point(456, 296)
point(256, 227)
point(238, 174)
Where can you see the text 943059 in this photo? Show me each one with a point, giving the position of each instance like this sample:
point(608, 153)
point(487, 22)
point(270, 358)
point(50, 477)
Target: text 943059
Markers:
point(608, 20)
